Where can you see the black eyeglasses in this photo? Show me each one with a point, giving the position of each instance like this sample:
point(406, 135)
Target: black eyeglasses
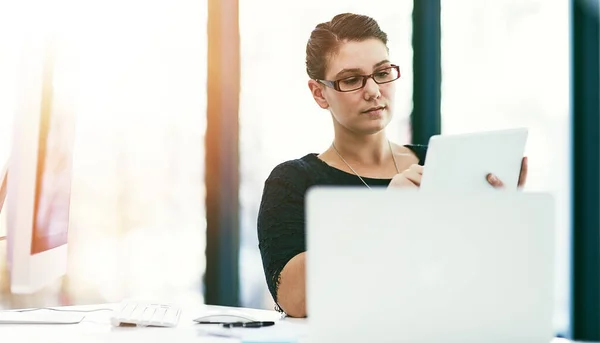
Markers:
point(355, 82)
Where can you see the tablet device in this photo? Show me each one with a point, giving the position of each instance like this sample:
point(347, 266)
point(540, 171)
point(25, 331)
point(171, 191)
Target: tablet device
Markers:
point(461, 162)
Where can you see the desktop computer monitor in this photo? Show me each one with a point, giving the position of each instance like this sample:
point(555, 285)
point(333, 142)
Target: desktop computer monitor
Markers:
point(3, 186)
point(38, 188)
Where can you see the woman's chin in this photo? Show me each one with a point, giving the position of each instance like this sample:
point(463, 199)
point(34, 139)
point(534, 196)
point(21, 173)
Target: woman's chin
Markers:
point(374, 126)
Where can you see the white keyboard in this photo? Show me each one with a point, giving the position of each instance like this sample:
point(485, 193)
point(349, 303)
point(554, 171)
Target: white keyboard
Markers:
point(145, 314)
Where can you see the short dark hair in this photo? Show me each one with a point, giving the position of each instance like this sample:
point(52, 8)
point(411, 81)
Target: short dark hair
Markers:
point(326, 38)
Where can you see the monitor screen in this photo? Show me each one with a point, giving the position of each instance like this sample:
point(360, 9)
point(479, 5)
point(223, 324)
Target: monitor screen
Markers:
point(53, 176)
point(3, 191)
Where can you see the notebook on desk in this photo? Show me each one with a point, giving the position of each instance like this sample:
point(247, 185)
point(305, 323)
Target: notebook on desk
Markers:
point(284, 331)
point(419, 267)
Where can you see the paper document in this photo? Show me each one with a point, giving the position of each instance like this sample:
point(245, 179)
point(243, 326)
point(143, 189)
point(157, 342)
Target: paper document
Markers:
point(282, 332)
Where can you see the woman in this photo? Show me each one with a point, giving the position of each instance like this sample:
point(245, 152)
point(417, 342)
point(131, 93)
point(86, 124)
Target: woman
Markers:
point(351, 76)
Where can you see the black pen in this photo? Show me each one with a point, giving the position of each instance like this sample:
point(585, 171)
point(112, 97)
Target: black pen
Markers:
point(248, 324)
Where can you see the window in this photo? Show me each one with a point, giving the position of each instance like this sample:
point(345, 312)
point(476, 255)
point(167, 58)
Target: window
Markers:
point(9, 60)
point(137, 226)
point(279, 119)
point(8, 63)
point(139, 184)
point(506, 64)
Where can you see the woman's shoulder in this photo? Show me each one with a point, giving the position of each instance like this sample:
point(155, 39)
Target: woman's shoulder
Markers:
point(295, 168)
point(291, 178)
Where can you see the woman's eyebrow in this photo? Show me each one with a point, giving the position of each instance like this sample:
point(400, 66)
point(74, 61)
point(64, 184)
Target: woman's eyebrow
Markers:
point(381, 63)
point(358, 70)
point(348, 70)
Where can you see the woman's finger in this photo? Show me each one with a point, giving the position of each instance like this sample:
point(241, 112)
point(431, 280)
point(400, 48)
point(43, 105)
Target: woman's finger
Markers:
point(417, 168)
point(494, 181)
point(523, 174)
point(413, 175)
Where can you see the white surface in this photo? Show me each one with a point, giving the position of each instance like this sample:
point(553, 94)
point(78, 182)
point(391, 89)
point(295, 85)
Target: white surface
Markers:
point(420, 267)
point(96, 327)
point(283, 332)
point(460, 162)
point(40, 317)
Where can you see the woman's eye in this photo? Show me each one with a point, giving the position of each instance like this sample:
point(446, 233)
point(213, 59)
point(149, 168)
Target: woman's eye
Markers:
point(351, 80)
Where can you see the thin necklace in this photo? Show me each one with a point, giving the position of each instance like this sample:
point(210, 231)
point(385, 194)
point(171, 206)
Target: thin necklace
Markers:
point(354, 171)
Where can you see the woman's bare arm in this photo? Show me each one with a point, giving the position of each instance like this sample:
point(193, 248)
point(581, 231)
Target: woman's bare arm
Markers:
point(291, 293)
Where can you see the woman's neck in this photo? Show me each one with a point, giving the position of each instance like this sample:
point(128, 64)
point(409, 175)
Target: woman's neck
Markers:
point(365, 150)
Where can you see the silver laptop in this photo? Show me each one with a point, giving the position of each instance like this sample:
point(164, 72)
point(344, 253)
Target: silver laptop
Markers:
point(418, 267)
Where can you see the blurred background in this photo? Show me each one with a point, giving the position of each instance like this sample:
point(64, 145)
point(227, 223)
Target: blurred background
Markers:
point(169, 93)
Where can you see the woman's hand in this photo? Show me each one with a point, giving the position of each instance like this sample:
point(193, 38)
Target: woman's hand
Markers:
point(410, 178)
point(497, 183)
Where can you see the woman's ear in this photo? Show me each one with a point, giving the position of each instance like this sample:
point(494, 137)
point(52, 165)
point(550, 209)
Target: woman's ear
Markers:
point(316, 89)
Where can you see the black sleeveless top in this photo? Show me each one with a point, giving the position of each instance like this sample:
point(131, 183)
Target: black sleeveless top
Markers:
point(281, 222)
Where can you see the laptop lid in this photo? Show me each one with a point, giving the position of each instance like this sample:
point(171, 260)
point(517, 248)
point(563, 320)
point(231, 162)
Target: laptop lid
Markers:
point(410, 266)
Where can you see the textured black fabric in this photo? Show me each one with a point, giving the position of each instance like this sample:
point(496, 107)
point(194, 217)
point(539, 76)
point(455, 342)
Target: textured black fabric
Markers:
point(281, 222)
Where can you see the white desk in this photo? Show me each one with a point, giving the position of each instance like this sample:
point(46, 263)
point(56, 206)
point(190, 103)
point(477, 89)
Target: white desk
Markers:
point(96, 327)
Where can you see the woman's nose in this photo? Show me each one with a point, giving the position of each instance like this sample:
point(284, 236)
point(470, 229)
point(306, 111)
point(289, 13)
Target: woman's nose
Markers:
point(371, 90)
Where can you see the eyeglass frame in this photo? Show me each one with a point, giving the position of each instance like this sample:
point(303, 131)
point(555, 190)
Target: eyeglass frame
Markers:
point(335, 84)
